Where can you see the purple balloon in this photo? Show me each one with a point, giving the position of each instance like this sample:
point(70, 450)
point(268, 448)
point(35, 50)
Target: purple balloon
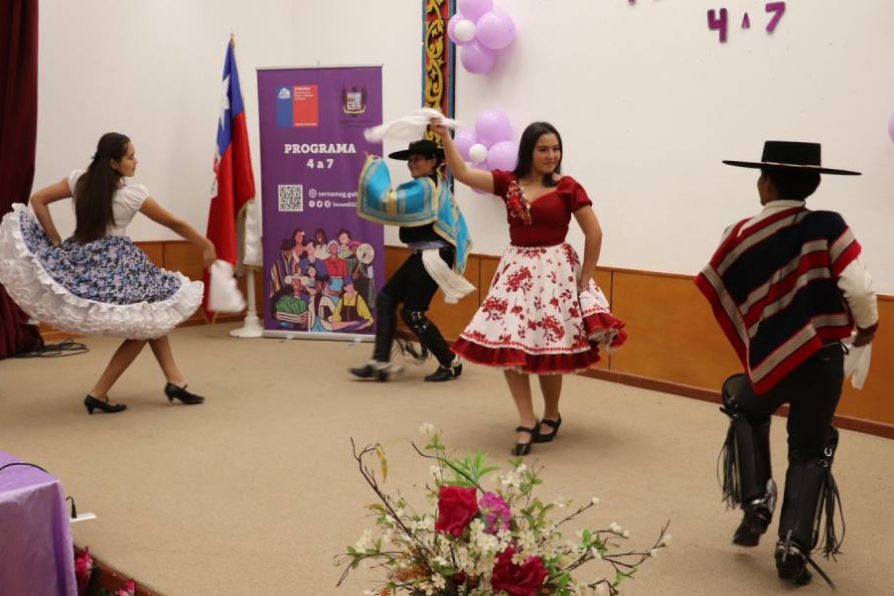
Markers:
point(502, 156)
point(493, 126)
point(495, 30)
point(473, 9)
point(464, 140)
point(891, 127)
point(451, 28)
point(477, 59)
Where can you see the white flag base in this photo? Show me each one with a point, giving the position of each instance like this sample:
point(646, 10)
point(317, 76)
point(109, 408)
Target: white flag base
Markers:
point(251, 325)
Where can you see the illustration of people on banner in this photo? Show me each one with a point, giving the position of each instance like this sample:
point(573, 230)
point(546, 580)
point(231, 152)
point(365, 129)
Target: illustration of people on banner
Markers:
point(323, 285)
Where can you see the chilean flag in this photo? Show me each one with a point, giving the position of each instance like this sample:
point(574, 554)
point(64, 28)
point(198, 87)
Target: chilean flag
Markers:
point(234, 181)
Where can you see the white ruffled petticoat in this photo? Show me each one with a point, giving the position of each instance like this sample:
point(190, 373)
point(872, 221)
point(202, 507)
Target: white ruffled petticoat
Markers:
point(106, 287)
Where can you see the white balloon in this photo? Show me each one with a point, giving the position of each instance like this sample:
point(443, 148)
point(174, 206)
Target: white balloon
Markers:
point(478, 152)
point(465, 30)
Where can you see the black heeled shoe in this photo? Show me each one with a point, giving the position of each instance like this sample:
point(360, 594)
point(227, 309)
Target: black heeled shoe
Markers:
point(174, 392)
point(103, 405)
point(525, 448)
point(546, 438)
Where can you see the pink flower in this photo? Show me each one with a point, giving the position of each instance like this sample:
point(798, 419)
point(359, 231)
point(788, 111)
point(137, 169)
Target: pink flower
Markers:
point(84, 567)
point(130, 589)
point(496, 512)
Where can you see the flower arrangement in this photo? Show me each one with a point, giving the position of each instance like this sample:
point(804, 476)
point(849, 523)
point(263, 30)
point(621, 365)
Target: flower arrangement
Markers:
point(87, 573)
point(501, 540)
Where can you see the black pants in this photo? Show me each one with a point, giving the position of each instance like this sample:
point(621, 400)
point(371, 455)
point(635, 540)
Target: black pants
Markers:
point(411, 286)
point(812, 391)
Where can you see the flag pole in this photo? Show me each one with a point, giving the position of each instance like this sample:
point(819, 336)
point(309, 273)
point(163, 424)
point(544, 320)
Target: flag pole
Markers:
point(251, 325)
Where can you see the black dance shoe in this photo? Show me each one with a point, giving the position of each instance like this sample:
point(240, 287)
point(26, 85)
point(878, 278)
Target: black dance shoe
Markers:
point(380, 371)
point(174, 392)
point(554, 424)
point(103, 405)
point(445, 373)
point(525, 448)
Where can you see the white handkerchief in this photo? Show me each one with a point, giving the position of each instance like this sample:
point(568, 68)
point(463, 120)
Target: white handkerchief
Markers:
point(856, 364)
point(223, 292)
point(410, 127)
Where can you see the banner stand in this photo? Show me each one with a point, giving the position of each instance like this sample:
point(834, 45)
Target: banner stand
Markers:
point(346, 337)
point(323, 264)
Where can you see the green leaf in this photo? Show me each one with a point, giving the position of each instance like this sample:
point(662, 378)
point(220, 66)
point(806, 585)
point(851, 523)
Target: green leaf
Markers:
point(384, 462)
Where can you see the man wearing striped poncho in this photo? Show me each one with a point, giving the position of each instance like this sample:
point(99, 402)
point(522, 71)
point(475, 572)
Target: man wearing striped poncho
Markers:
point(787, 286)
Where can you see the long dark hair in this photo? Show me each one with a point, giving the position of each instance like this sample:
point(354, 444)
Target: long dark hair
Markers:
point(94, 190)
point(526, 145)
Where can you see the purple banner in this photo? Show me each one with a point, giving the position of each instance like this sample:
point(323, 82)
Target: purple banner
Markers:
point(323, 264)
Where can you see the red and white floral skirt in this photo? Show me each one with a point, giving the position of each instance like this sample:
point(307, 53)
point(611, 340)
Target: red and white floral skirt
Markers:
point(534, 320)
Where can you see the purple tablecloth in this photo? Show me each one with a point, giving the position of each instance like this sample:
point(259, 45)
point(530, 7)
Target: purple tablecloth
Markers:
point(36, 554)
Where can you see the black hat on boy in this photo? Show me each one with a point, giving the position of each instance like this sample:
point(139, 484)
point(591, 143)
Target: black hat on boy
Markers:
point(425, 148)
point(791, 156)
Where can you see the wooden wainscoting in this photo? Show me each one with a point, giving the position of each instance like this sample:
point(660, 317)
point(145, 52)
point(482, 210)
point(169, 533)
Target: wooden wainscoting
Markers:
point(675, 345)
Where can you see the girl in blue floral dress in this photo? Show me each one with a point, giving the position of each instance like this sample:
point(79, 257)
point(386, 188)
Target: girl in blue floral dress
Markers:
point(98, 282)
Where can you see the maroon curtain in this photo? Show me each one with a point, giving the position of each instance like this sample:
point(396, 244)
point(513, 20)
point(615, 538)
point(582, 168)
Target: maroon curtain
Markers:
point(18, 138)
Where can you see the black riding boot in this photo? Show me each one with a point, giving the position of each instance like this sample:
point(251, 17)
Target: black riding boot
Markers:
point(747, 480)
point(808, 514)
point(430, 337)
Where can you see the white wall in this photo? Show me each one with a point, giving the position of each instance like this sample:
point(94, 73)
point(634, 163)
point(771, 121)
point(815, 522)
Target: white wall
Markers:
point(152, 70)
point(648, 102)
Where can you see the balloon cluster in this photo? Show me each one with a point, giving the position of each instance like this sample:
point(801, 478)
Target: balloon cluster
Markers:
point(482, 31)
point(490, 144)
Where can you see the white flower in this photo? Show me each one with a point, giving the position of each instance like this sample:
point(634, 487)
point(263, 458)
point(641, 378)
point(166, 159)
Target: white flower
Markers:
point(511, 479)
point(615, 528)
point(527, 540)
point(595, 500)
point(365, 540)
point(666, 540)
point(653, 552)
point(626, 534)
point(595, 552)
point(427, 428)
point(438, 581)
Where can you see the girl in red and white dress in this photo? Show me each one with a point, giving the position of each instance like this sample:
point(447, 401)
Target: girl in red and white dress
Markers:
point(544, 313)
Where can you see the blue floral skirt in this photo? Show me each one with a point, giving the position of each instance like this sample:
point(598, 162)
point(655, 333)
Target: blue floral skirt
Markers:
point(105, 287)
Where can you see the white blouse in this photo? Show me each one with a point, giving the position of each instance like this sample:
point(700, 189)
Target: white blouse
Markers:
point(125, 203)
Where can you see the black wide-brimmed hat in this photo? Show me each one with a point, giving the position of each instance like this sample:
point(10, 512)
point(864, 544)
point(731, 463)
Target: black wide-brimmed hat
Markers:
point(793, 156)
point(425, 148)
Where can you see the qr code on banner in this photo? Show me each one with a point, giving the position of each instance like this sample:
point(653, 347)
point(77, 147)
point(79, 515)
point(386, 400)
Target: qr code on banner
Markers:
point(291, 197)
